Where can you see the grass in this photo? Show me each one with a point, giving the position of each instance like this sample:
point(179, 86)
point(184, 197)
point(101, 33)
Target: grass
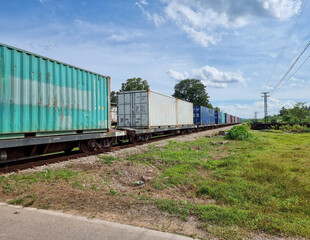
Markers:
point(257, 185)
point(264, 184)
point(107, 159)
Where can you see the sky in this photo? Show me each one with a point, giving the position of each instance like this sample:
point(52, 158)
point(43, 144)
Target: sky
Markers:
point(236, 48)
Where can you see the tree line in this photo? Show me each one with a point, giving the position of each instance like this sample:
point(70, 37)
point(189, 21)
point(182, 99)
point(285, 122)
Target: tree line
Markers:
point(300, 113)
point(191, 90)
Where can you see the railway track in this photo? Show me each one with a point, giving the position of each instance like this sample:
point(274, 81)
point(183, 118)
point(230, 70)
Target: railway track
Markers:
point(23, 164)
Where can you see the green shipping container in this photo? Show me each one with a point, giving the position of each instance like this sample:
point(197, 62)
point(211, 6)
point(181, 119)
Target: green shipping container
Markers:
point(41, 96)
point(223, 118)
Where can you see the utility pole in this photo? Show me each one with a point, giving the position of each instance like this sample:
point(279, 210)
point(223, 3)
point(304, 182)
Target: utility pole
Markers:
point(255, 117)
point(265, 96)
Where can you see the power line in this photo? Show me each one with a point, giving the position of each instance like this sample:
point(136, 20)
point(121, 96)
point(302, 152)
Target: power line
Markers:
point(292, 74)
point(288, 71)
point(296, 19)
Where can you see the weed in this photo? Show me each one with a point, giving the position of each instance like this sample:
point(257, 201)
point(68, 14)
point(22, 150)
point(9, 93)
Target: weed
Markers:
point(107, 159)
point(25, 201)
point(294, 129)
point(78, 185)
point(238, 133)
point(112, 192)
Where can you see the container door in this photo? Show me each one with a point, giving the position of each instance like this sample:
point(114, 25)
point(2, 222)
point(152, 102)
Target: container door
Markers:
point(124, 102)
point(140, 110)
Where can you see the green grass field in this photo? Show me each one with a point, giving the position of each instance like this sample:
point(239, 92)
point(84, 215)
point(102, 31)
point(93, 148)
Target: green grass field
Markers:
point(261, 184)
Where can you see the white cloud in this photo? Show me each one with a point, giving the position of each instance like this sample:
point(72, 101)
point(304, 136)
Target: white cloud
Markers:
point(273, 55)
point(200, 37)
point(255, 74)
point(177, 75)
point(265, 87)
point(203, 21)
point(211, 76)
point(296, 83)
point(42, 1)
point(144, 2)
point(248, 110)
point(103, 31)
point(156, 18)
point(281, 9)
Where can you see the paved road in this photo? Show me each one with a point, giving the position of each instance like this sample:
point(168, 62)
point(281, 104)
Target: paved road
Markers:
point(18, 223)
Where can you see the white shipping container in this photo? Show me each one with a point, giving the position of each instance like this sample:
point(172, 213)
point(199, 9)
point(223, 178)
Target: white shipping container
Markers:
point(146, 109)
point(113, 113)
point(185, 113)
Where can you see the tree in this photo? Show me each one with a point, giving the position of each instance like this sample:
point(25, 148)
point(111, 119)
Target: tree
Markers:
point(192, 90)
point(217, 109)
point(300, 111)
point(113, 97)
point(134, 84)
point(283, 111)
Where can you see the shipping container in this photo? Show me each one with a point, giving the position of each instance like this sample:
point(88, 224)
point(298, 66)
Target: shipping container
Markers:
point(229, 118)
point(223, 118)
point(226, 118)
point(232, 119)
point(113, 113)
point(212, 116)
point(218, 117)
point(185, 113)
point(197, 115)
point(147, 109)
point(201, 115)
point(41, 96)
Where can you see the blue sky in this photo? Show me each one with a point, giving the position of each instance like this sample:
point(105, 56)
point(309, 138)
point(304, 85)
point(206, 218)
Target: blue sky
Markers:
point(234, 47)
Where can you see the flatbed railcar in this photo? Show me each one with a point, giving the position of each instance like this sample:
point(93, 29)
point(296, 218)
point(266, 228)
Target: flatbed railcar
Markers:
point(49, 106)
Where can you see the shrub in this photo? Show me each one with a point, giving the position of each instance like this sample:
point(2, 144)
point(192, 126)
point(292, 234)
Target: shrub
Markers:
point(295, 128)
point(238, 133)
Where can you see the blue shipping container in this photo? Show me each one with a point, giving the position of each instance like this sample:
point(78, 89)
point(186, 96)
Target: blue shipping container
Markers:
point(218, 117)
point(201, 115)
point(212, 116)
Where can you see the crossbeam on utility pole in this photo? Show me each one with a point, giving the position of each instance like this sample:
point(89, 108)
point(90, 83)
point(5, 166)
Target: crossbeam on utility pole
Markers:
point(265, 96)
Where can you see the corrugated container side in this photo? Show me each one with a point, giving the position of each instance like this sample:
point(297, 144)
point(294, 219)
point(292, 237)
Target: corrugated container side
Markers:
point(40, 95)
point(223, 118)
point(146, 109)
point(205, 120)
point(218, 117)
point(163, 110)
point(197, 115)
point(113, 113)
point(185, 113)
point(211, 116)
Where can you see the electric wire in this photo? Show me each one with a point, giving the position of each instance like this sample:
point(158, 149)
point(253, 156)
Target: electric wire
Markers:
point(291, 67)
point(296, 20)
point(292, 74)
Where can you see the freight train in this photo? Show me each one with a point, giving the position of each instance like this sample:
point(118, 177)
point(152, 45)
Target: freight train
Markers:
point(47, 106)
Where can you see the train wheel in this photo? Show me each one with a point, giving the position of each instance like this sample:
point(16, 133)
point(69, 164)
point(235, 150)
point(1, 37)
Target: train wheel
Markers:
point(121, 139)
point(107, 142)
point(87, 146)
point(133, 139)
point(146, 137)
